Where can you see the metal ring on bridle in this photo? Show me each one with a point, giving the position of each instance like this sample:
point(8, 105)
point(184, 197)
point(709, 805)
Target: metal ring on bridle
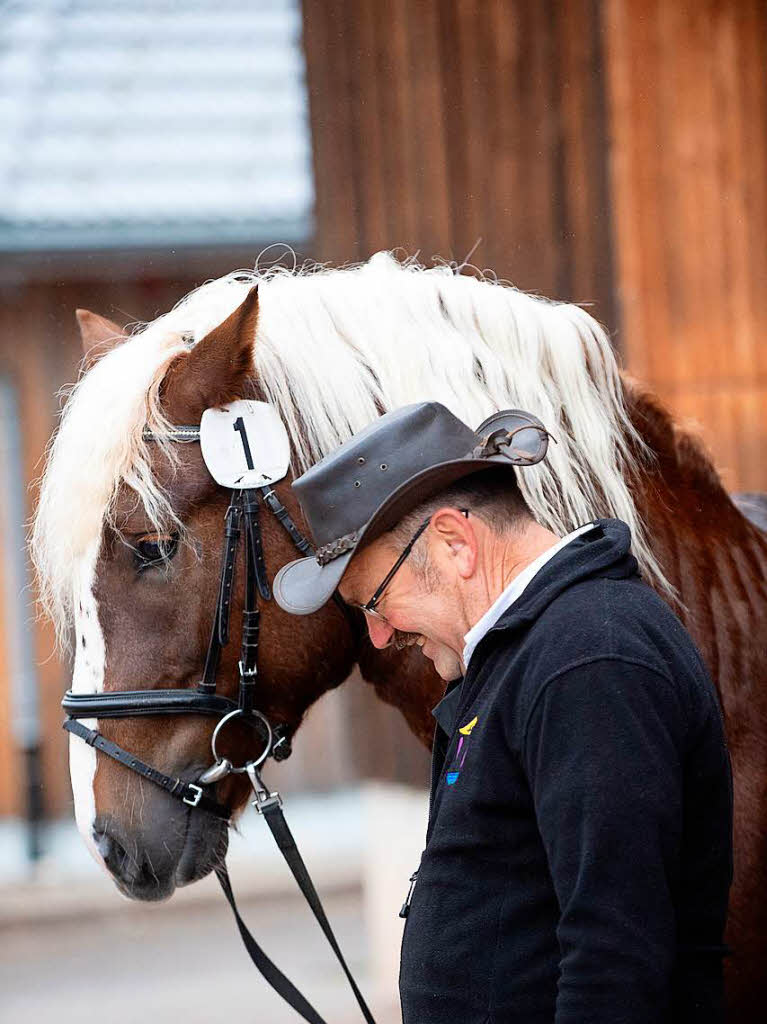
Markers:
point(254, 761)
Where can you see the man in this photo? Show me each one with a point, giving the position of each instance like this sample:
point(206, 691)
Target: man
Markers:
point(578, 854)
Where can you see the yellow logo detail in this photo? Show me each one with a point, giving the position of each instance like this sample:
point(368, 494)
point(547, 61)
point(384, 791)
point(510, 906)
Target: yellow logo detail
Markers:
point(465, 730)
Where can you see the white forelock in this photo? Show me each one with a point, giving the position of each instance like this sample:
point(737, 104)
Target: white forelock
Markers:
point(334, 349)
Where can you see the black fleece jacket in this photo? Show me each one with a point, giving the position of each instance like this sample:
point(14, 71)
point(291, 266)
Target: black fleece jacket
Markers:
point(579, 853)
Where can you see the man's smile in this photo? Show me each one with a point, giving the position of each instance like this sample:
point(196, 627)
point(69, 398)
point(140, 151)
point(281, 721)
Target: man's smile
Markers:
point(402, 640)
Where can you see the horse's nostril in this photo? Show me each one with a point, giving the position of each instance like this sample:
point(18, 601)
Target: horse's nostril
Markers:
point(123, 865)
point(111, 850)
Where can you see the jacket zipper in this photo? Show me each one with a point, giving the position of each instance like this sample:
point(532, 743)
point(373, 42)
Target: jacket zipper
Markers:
point(405, 909)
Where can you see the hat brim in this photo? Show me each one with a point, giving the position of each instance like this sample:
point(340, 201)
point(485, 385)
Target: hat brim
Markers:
point(304, 586)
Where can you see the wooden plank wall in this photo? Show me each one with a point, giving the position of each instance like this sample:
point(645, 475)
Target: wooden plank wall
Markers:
point(688, 126)
point(443, 122)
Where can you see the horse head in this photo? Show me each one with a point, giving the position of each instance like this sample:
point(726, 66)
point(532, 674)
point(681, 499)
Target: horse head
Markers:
point(145, 584)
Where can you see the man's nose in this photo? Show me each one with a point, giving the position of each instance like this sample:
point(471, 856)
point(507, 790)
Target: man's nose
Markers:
point(380, 632)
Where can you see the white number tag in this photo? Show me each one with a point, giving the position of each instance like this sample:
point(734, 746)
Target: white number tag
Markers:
point(244, 444)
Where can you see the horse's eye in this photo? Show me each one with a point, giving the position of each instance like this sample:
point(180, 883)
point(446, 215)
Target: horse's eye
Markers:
point(154, 550)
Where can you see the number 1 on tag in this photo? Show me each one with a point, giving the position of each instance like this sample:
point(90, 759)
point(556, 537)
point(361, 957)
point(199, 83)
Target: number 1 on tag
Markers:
point(257, 454)
point(239, 425)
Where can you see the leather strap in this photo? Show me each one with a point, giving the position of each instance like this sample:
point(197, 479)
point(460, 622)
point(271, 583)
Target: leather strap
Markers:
point(256, 563)
point(282, 514)
point(305, 548)
point(255, 584)
point(273, 975)
point(187, 792)
point(232, 529)
point(219, 632)
point(127, 703)
point(275, 819)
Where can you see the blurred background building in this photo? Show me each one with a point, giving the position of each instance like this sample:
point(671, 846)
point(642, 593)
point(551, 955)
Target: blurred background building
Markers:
point(607, 152)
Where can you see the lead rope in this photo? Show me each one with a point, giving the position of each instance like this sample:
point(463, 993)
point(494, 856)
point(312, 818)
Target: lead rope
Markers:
point(269, 970)
point(275, 819)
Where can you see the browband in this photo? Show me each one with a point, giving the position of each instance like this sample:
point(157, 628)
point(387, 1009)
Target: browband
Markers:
point(173, 433)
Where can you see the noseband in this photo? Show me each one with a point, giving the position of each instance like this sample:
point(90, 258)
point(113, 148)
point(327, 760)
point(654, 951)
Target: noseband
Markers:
point(241, 521)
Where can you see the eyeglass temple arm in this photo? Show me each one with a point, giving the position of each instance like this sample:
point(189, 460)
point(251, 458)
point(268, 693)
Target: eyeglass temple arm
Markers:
point(371, 604)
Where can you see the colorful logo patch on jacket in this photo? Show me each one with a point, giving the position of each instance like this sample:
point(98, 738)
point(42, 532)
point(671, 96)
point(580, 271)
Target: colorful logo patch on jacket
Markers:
point(464, 733)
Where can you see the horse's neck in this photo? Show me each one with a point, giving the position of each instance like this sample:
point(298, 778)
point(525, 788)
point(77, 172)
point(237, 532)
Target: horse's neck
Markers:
point(715, 558)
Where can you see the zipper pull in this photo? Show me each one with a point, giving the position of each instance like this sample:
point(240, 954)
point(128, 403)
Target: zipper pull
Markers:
point(405, 909)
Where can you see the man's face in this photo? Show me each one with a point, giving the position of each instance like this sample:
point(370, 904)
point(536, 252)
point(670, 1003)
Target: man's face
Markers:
point(416, 607)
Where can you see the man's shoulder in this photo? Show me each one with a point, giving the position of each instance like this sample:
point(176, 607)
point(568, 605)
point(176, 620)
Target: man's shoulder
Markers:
point(609, 618)
point(615, 622)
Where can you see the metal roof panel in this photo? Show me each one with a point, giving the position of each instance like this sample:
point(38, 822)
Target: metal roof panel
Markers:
point(145, 118)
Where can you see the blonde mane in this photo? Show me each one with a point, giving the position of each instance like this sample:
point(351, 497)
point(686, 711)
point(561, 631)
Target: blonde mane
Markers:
point(334, 349)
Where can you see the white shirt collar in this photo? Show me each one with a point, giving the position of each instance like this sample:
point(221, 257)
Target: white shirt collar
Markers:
point(513, 592)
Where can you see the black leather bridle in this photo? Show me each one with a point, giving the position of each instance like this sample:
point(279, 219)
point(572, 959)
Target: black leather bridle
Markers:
point(241, 520)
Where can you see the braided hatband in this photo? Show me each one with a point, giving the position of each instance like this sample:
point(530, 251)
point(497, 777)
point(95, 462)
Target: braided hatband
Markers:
point(336, 548)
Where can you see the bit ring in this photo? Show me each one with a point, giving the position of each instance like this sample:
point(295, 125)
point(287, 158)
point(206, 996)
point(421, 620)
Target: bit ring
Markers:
point(267, 746)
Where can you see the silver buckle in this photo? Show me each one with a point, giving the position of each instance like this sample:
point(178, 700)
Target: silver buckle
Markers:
point(194, 801)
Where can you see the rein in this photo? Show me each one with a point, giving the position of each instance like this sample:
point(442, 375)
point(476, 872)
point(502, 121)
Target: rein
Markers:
point(241, 522)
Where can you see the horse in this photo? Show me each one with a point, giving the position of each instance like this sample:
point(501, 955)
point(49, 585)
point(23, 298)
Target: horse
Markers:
point(127, 534)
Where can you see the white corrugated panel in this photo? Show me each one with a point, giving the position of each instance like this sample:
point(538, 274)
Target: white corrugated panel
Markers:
point(153, 121)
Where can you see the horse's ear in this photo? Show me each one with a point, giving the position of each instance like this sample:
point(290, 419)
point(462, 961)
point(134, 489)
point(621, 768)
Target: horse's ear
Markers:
point(216, 370)
point(98, 335)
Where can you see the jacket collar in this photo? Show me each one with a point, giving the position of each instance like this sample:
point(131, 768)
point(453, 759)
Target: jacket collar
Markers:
point(515, 590)
point(602, 552)
point(445, 712)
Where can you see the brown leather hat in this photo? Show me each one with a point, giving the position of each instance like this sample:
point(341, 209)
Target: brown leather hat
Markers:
point(371, 481)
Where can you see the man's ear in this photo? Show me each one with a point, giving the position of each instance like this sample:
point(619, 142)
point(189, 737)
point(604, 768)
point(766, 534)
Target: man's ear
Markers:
point(98, 335)
point(457, 533)
point(216, 370)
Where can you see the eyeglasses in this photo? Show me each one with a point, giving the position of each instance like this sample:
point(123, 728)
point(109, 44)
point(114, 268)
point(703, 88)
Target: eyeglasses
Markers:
point(370, 606)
